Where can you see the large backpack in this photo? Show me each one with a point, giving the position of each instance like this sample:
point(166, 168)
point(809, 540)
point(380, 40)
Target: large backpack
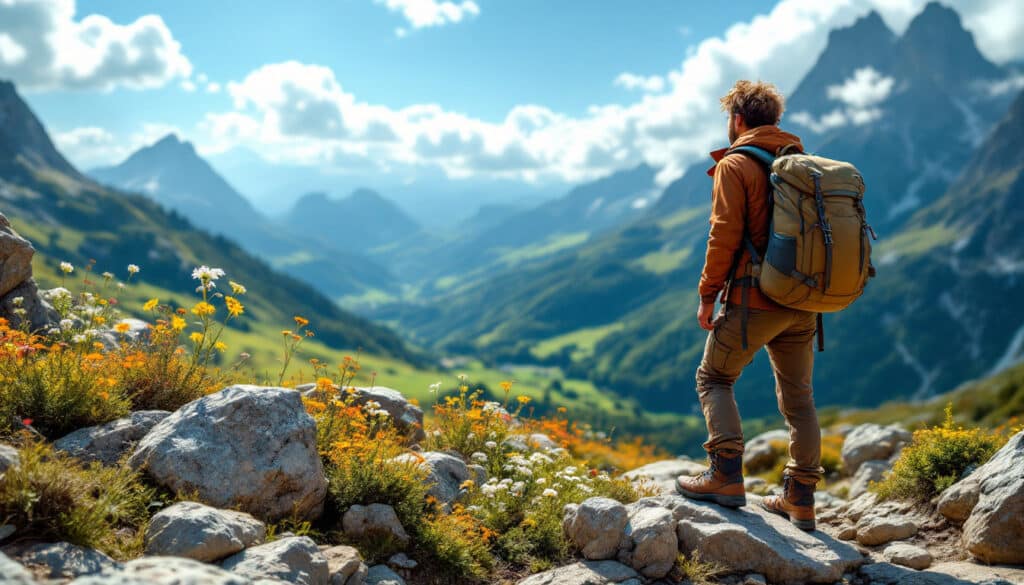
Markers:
point(818, 257)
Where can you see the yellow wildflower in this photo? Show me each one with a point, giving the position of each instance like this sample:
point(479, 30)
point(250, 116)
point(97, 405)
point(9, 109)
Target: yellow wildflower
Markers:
point(237, 288)
point(177, 323)
point(196, 337)
point(203, 309)
point(220, 346)
point(99, 319)
point(506, 386)
point(286, 332)
point(235, 308)
point(150, 304)
point(301, 321)
point(122, 327)
point(523, 399)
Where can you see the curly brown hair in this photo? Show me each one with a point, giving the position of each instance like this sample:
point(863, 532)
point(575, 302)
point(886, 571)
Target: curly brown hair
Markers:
point(759, 102)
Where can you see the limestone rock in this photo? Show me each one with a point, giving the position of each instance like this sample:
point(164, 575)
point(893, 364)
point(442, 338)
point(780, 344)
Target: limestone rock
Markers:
point(345, 565)
point(62, 560)
point(651, 545)
point(360, 521)
point(164, 571)
point(869, 442)
point(958, 500)
point(247, 446)
point(25, 296)
point(890, 574)
point(907, 555)
point(293, 559)
point(868, 472)
point(445, 473)
point(664, 473)
point(407, 416)
point(586, 573)
point(993, 531)
point(197, 531)
point(752, 540)
point(875, 530)
point(596, 526)
point(12, 573)
point(15, 257)
point(758, 453)
point(108, 442)
point(383, 575)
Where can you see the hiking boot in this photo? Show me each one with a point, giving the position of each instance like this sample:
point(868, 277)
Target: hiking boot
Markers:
point(722, 483)
point(795, 503)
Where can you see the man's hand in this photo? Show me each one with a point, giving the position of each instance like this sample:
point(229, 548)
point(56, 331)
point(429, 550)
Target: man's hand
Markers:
point(706, 315)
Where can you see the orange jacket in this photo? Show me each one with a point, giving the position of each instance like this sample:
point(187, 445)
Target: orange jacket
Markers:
point(739, 201)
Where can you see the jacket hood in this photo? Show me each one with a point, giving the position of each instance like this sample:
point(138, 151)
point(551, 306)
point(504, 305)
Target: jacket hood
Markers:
point(768, 137)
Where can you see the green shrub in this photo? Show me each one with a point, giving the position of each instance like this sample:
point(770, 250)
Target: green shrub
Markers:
point(52, 497)
point(401, 485)
point(937, 458)
point(457, 544)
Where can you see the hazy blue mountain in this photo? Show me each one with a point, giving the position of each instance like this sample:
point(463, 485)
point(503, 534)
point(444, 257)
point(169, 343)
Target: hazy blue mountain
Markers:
point(24, 143)
point(172, 173)
point(359, 222)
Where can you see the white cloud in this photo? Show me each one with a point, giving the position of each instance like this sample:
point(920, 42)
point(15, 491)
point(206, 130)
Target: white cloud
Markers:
point(43, 46)
point(300, 113)
point(188, 85)
point(865, 89)
point(428, 13)
point(649, 84)
point(213, 87)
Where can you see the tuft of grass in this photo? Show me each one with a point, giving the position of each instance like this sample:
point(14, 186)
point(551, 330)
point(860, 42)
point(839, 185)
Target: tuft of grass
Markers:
point(50, 496)
point(457, 543)
point(696, 571)
point(936, 458)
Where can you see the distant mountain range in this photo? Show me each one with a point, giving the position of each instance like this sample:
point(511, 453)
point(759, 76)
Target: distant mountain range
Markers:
point(915, 113)
point(70, 217)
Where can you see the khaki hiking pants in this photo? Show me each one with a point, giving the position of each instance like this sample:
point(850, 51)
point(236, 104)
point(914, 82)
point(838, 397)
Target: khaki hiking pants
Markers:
point(789, 337)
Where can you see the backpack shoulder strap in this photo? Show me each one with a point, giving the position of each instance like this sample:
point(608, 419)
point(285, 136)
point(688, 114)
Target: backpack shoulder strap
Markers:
point(761, 155)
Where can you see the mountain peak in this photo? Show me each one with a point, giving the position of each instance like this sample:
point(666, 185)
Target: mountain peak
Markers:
point(173, 143)
point(937, 45)
point(23, 139)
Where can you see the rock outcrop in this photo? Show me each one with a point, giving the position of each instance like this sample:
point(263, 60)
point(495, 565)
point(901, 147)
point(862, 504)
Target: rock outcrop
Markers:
point(13, 573)
point(445, 473)
point(197, 531)
point(249, 447)
point(374, 520)
point(586, 573)
point(992, 532)
point(293, 559)
point(164, 571)
point(19, 295)
point(107, 443)
point(596, 526)
point(62, 560)
point(345, 565)
point(383, 575)
point(869, 442)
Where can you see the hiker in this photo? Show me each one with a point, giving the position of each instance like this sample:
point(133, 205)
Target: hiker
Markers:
point(735, 270)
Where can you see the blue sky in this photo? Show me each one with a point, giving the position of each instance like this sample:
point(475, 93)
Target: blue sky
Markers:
point(529, 91)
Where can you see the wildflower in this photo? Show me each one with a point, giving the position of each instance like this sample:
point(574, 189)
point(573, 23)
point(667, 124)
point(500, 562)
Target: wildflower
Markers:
point(108, 276)
point(467, 484)
point(324, 383)
point(66, 324)
point(286, 332)
point(435, 387)
point(462, 377)
point(301, 321)
point(549, 493)
point(206, 274)
point(541, 480)
point(150, 304)
point(66, 267)
point(18, 301)
point(506, 386)
point(220, 346)
point(177, 323)
point(133, 269)
point(104, 395)
point(122, 328)
point(196, 337)
point(479, 457)
point(237, 288)
point(27, 422)
point(120, 286)
point(78, 338)
point(235, 308)
point(203, 309)
point(491, 445)
point(99, 319)
point(523, 399)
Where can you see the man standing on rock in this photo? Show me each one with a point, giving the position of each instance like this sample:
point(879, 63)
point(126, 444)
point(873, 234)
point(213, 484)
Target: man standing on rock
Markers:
point(740, 215)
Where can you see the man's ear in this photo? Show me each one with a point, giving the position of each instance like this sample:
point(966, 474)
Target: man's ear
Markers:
point(739, 121)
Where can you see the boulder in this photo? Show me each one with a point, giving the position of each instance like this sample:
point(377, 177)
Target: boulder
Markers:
point(752, 540)
point(108, 442)
point(663, 474)
point(596, 527)
point(249, 447)
point(8, 457)
point(402, 561)
point(874, 530)
point(958, 500)
point(375, 519)
point(293, 559)
point(445, 473)
point(759, 454)
point(164, 571)
point(890, 574)
point(345, 565)
point(25, 302)
point(15, 257)
point(651, 545)
point(586, 573)
point(197, 531)
point(869, 442)
point(993, 531)
point(907, 555)
point(868, 472)
point(62, 560)
point(407, 416)
point(12, 573)
point(383, 575)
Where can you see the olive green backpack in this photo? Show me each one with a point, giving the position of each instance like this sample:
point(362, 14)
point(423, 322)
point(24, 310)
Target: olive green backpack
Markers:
point(818, 257)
